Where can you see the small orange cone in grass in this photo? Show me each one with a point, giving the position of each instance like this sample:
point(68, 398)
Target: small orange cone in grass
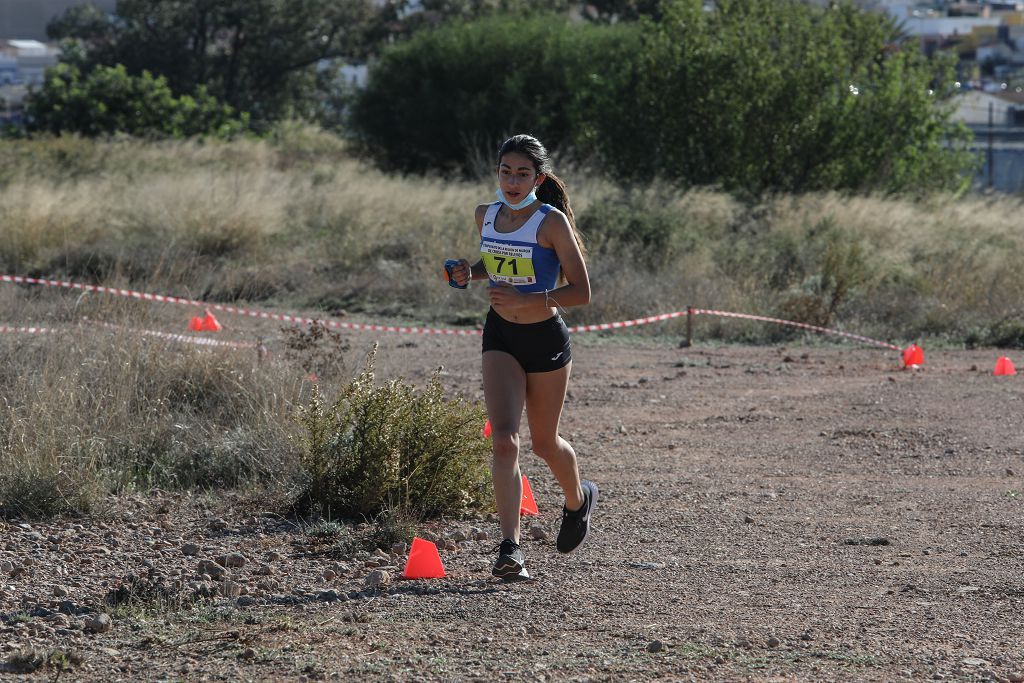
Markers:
point(210, 323)
point(423, 562)
point(195, 324)
point(1004, 367)
point(487, 429)
point(528, 506)
point(913, 356)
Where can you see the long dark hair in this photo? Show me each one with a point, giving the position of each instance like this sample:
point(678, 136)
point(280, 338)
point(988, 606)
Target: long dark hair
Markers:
point(552, 190)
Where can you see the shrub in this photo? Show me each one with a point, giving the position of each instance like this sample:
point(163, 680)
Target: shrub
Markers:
point(35, 659)
point(390, 527)
point(99, 413)
point(701, 97)
point(390, 448)
point(640, 226)
point(450, 95)
point(30, 492)
point(1007, 334)
point(108, 100)
point(779, 95)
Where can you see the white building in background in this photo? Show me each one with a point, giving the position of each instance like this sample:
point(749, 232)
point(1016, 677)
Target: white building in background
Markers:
point(23, 63)
point(8, 70)
point(32, 58)
point(946, 26)
point(972, 107)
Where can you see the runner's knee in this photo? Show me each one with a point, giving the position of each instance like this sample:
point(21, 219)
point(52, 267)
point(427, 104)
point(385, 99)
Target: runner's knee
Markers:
point(548, 449)
point(505, 446)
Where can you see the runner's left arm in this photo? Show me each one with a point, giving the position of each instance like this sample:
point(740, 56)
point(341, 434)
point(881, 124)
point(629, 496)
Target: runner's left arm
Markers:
point(576, 290)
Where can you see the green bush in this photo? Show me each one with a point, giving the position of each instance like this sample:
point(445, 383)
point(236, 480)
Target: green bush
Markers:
point(388, 448)
point(781, 95)
point(640, 226)
point(1007, 334)
point(753, 96)
point(98, 414)
point(804, 273)
point(108, 100)
point(449, 96)
point(30, 492)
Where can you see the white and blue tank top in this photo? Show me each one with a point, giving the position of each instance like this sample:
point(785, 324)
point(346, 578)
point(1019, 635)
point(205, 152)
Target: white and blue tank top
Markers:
point(515, 257)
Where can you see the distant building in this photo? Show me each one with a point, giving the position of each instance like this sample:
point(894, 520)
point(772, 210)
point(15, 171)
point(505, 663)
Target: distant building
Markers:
point(23, 63)
point(355, 74)
point(946, 26)
point(12, 101)
point(973, 106)
point(28, 18)
point(999, 144)
point(31, 58)
point(8, 70)
point(994, 51)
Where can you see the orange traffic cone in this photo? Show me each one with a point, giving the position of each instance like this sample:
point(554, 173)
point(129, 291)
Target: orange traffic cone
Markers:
point(210, 323)
point(423, 562)
point(528, 506)
point(1004, 366)
point(195, 324)
point(913, 356)
point(487, 429)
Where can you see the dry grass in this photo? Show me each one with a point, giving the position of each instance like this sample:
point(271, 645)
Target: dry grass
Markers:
point(89, 410)
point(937, 268)
point(294, 222)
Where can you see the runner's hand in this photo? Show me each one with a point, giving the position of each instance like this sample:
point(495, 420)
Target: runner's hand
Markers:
point(506, 296)
point(462, 273)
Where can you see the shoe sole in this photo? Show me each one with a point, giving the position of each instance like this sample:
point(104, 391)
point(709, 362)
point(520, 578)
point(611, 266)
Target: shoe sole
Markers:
point(523, 575)
point(590, 513)
point(510, 570)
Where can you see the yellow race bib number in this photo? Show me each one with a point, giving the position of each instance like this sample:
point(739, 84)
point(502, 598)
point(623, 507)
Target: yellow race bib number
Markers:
point(508, 263)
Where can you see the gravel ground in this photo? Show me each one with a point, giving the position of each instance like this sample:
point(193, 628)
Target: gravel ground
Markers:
point(800, 513)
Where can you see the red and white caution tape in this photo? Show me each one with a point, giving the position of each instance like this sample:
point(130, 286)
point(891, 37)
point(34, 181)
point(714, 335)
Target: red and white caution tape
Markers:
point(790, 323)
point(627, 323)
point(170, 336)
point(183, 338)
point(7, 329)
point(335, 324)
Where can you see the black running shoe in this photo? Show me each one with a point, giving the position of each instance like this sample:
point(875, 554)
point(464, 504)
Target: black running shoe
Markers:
point(576, 524)
point(510, 563)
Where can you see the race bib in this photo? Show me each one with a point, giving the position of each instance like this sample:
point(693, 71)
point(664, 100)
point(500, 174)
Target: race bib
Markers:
point(508, 262)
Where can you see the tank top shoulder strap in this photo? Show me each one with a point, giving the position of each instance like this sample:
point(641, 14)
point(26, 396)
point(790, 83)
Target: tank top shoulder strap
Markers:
point(530, 228)
point(491, 215)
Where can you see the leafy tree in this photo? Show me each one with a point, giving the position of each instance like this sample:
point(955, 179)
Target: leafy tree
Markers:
point(108, 100)
point(254, 55)
point(622, 10)
point(753, 96)
point(779, 95)
point(447, 97)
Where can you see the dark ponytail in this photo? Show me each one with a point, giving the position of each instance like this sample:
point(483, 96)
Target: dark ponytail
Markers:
point(552, 190)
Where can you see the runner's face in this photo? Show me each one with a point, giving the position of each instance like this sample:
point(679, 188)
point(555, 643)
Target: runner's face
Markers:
point(517, 176)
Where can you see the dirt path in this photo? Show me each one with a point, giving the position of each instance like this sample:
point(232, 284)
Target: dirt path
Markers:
point(800, 513)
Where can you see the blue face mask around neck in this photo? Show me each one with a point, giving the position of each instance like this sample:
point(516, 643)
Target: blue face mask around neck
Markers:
point(529, 199)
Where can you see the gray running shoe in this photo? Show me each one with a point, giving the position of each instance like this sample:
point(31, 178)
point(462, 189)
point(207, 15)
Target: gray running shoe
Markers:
point(511, 564)
point(576, 524)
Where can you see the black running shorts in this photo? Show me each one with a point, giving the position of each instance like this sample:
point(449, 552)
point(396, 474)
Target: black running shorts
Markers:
point(539, 347)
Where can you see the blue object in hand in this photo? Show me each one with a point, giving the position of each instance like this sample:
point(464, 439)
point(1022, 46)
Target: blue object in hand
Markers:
point(448, 265)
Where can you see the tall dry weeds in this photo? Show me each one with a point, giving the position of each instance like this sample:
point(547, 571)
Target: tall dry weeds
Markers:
point(86, 411)
point(294, 222)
